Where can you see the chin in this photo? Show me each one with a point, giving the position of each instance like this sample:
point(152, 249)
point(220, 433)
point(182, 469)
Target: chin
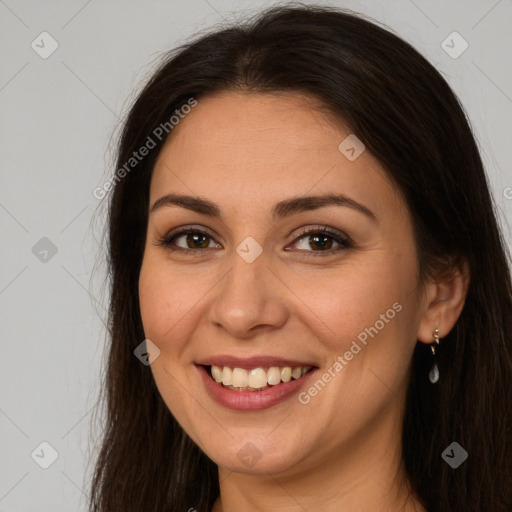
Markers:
point(258, 456)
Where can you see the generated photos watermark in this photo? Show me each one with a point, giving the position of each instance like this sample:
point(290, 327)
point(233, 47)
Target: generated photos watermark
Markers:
point(160, 133)
point(341, 361)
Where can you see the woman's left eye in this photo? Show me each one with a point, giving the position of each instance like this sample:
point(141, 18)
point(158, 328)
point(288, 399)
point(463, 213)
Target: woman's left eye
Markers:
point(321, 240)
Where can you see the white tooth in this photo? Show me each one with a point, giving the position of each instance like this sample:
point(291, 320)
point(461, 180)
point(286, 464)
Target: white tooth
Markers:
point(227, 375)
point(216, 373)
point(297, 372)
point(305, 369)
point(240, 378)
point(257, 378)
point(286, 374)
point(274, 375)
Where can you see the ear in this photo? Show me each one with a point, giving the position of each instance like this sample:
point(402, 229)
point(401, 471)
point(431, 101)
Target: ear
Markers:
point(443, 303)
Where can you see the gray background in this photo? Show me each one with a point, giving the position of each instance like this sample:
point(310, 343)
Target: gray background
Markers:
point(59, 115)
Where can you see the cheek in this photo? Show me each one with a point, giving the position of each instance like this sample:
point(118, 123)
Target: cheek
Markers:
point(348, 300)
point(154, 298)
point(162, 308)
point(368, 344)
point(164, 300)
point(366, 315)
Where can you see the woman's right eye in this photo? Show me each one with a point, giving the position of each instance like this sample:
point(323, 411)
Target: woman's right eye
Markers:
point(193, 240)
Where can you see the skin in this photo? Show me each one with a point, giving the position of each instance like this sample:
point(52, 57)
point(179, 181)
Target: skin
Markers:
point(246, 152)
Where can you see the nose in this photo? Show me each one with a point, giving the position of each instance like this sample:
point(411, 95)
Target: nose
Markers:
point(249, 300)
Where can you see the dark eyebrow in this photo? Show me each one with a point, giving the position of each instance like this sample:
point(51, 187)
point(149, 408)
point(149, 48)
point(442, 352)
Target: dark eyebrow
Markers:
point(280, 210)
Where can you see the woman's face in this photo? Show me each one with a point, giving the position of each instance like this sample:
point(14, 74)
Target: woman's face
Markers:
point(256, 286)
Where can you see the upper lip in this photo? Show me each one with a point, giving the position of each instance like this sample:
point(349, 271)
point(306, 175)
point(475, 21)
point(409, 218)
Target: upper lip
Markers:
point(248, 363)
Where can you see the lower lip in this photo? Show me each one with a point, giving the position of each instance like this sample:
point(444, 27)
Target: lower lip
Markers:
point(251, 400)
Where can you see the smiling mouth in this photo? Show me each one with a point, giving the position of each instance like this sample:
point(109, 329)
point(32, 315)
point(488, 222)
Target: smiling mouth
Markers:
point(256, 379)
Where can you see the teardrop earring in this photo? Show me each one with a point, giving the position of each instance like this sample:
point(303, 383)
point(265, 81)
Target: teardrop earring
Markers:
point(433, 375)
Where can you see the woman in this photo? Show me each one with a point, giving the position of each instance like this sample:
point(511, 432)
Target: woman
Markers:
point(310, 298)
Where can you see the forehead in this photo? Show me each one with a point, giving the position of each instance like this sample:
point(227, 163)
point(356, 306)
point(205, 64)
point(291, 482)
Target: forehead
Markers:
point(259, 148)
point(230, 124)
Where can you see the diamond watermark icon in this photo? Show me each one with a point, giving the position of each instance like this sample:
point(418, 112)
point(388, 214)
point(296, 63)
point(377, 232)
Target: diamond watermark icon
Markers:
point(454, 455)
point(249, 249)
point(44, 455)
point(44, 250)
point(44, 45)
point(454, 45)
point(146, 352)
point(351, 147)
point(249, 454)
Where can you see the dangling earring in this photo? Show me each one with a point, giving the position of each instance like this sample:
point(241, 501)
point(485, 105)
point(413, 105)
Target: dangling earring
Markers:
point(433, 375)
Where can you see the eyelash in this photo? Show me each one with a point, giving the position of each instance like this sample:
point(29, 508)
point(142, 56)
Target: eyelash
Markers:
point(344, 241)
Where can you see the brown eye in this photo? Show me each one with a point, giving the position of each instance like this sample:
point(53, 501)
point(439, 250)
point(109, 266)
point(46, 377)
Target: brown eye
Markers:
point(321, 241)
point(196, 241)
point(191, 240)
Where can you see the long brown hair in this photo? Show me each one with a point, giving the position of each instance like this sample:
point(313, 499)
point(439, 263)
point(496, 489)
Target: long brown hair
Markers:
point(410, 120)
